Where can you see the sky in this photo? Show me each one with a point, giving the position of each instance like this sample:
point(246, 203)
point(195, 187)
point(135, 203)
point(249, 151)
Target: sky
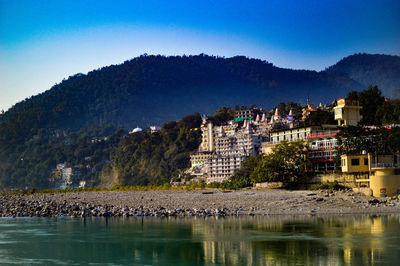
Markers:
point(42, 42)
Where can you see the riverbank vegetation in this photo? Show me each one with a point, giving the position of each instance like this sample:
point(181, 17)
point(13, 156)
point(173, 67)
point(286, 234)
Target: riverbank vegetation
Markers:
point(287, 163)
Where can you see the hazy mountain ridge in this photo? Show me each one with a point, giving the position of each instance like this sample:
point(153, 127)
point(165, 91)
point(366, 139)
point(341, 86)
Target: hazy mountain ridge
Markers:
point(372, 69)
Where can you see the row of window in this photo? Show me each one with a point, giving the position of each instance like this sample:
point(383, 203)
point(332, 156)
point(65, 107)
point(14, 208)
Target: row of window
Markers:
point(355, 162)
point(324, 144)
point(221, 173)
point(290, 137)
point(317, 154)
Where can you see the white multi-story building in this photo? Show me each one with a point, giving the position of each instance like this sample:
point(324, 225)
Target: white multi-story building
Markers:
point(231, 151)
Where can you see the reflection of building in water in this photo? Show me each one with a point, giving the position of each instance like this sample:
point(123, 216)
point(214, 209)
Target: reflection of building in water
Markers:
point(285, 240)
point(363, 240)
point(218, 246)
point(253, 241)
point(228, 241)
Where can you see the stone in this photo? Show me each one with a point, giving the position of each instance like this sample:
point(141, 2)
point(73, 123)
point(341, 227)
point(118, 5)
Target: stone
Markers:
point(374, 201)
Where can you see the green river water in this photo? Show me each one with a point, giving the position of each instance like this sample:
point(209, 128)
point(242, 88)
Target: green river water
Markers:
point(270, 240)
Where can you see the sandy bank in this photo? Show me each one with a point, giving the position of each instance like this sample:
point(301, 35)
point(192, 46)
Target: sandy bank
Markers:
point(197, 202)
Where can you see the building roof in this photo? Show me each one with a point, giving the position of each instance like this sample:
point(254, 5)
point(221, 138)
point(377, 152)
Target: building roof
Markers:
point(243, 118)
point(138, 129)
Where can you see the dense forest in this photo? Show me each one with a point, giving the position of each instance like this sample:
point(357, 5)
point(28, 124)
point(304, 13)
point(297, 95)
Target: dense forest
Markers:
point(151, 90)
point(83, 119)
point(30, 164)
point(154, 158)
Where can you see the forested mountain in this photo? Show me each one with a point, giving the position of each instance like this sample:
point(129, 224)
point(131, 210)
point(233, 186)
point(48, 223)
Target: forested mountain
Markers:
point(154, 89)
point(372, 69)
point(69, 122)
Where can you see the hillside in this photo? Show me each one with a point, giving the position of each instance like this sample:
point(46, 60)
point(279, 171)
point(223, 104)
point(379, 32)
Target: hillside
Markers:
point(76, 121)
point(372, 69)
point(154, 89)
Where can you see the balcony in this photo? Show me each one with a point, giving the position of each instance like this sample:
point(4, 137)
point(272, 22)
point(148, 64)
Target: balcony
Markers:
point(323, 134)
point(321, 159)
point(321, 148)
point(385, 165)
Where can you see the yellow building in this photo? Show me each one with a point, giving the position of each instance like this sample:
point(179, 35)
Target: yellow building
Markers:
point(385, 176)
point(347, 113)
point(384, 172)
point(209, 133)
point(207, 137)
point(355, 163)
point(385, 181)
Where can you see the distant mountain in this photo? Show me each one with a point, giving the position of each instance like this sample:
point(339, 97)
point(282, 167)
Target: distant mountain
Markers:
point(372, 69)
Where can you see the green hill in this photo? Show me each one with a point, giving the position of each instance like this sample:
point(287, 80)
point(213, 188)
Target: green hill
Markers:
point(65, 123)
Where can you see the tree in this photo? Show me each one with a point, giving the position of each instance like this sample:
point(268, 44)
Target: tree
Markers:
point(287, 163)
point(297, 109)
point(284, 109)
point(370, 100)
point(385, 113)
point(320, 117)
point(190, 121)
point(153, 158)
point(356, 139)
point(222, 115)
point(241, 178)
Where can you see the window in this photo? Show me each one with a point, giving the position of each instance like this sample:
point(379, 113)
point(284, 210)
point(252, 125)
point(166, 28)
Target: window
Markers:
point(365, 161)
point(355, 161)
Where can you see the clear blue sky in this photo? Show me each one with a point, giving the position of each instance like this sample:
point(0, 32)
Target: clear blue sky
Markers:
point(42, 42)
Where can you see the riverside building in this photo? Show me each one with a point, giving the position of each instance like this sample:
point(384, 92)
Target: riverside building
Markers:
point(231, 150)
point(224, 148)
point(347, 112)
point(376, 175)
point(320, 142)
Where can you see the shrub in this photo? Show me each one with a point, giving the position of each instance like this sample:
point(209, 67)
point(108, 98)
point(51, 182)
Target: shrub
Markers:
point(329, 186)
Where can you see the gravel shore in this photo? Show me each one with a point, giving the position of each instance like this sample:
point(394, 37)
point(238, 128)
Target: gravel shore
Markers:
point(194, 203)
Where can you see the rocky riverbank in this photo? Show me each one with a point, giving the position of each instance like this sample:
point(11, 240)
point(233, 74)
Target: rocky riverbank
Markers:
point(193, 203)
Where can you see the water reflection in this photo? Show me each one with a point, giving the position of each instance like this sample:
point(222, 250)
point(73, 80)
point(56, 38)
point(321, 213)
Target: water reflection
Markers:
point(273, 240)
point(346, 240)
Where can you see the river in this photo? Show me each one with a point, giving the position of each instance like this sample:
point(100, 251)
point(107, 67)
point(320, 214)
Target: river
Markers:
point(266, 240)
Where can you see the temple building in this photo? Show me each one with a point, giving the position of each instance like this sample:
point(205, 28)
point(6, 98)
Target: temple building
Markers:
point(224, 148)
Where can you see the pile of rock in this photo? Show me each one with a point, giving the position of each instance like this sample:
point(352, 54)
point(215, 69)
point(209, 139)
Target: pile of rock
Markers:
point(18, 207)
